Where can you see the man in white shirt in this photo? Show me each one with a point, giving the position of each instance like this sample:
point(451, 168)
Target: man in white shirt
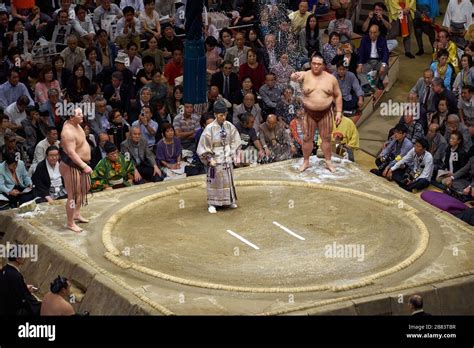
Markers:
point(128, 28)
point(40, 149)
point(16, 112)
point(458, 12)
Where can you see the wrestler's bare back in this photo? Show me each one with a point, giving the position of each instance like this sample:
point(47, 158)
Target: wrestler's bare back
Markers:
point(73, 139)
point(318, 90)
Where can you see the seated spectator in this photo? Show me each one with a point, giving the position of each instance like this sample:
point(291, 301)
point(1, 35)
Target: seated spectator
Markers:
point(4, 129)
point(127, 75)
point(249, 105)
point(377, 16)
point(212, 96)
point(415, 305)
point(282, 71)
point(247, 13)
point(297, 133)
point(253, 69)
point(118, 93)
point(83, 26)
point(57, 301)
point(444, 42)
point(251, 149)
point(13, 89)
point(98, 152)
point(283, 34)
point(112, 172)
point(213, 60)
point(269, 52)
point(100, 122)
point(134, 61)
point(175, 103)
point(253, 40)
point(78, 84)
point(15, 184)
point(106, 51)
point(36, 129)
point(138, 5)
point(349, 58)
point(287, 105)
point(16, 297)
point(270, 95)
point(463, 180)
point(145, 75)
point(137, 149)
point(60, 73)
point(299, 18)
point(465, 77)
point(413, 171)
point(45, 82)
point(169, 42)
point(158, 89)
point(150, 20)
point(13, 145)
point(147, 126)
point(442, 69)
point(341, 25)
point(72, 54)
point(352, 94)
point(247, 87)
point(310, 37)
point(319, 7)
point(346, 138)
point(414, 127)
point(92, 67)
point(227, 81)
point(237, 54)
point(453, 123)
point(424, 91)
point(370, 59)
point(47, 180)
point(394, 150)
point(42, 146)
point(128, 28)
point(186, 125)
point(466, 104)
point(440, 92)
point(455, 157)
point(437, 146)
point(330, 49)
point(104, 12)
point(440, 117)
point(225, 42)
point(59, 31)
point(168, 151)
point(119, 128)
point(174, 68)
point(16, 113)
point(276, 140)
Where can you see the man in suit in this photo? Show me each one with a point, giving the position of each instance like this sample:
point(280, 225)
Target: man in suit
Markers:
point(415, 304)
point(118, 93)
point(47, 179)
point(237, 54)
point(137, 150)
point(15, 296)
point(373, 55)
point(269, 53)
point(99, 152)
point(227, 81)
point(424, 91)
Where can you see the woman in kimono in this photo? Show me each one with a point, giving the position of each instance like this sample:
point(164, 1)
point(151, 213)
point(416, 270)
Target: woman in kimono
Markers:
point(217, 149)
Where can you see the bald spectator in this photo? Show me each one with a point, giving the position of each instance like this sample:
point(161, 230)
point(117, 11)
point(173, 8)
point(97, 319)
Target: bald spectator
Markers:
point(276, 140)
point(73, 54)
point(415, 305)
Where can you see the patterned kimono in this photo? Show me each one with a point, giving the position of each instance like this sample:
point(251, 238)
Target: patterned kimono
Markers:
point(111, 173)
point(221, 144)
